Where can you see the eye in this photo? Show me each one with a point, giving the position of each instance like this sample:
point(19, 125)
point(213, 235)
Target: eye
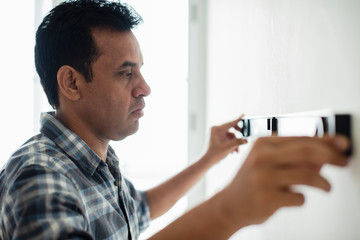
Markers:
point(127, 73)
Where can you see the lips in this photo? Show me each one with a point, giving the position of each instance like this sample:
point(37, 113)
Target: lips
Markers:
point(138, 112)
point(139, 105)
point(139, 108)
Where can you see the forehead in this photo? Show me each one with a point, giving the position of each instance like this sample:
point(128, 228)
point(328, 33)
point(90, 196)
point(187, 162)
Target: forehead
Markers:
point(117, 45)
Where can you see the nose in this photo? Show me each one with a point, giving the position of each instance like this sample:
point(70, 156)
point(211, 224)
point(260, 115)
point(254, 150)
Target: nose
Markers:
point(142, 89)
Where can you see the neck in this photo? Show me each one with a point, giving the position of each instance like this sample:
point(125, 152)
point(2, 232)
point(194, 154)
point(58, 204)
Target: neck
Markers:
point(79, 127)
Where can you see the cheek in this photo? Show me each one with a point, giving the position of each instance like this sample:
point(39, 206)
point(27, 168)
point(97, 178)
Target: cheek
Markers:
point(110, 102)
point(118, 106)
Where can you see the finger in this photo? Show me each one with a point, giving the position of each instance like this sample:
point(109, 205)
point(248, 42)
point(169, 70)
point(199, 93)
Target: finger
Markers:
point(235, 150)
point(230, 135)
point(233, 124)
point(289, 199)
point(285, 178)
point(240, 141)
point(234, 143)
point(340, 142)
point(306, 153)
point(237, 128)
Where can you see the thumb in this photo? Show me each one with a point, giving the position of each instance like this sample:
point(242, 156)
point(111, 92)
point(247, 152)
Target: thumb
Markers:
point(236, 142)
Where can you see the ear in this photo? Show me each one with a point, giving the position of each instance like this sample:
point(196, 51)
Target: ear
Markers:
point(69, 82)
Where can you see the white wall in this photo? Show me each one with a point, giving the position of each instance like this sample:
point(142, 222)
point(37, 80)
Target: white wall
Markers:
point(16, 69)
point(284, 56)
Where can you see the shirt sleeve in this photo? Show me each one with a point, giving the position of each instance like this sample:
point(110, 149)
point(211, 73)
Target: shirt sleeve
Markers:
point(42, 204)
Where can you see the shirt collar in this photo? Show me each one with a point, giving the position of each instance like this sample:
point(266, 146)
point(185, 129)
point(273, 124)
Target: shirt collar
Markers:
point(71, 144)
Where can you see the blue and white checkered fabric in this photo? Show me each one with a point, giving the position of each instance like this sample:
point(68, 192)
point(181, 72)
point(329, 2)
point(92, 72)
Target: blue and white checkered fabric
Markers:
point(56, 187)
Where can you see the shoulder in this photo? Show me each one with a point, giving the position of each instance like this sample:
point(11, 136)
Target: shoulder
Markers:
point(37, 164)
point(38, 151)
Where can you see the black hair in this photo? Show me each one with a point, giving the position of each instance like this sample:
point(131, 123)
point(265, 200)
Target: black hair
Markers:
point(64, 38)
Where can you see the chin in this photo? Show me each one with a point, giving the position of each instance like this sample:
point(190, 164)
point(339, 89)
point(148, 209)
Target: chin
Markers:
point(130, 131)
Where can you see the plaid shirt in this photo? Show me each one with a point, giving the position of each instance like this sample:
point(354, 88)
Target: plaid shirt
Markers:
point(56, 187)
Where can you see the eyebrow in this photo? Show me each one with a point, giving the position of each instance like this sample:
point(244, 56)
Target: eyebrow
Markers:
point(128, 64)
point(125, 64)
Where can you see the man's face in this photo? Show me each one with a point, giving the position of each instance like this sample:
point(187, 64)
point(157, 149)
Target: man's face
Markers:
point(114, 98)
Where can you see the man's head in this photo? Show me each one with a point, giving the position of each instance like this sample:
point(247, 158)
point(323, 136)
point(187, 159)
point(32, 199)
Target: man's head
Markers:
point(65, 38)
point(89, 63)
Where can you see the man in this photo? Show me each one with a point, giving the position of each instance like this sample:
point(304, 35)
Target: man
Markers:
point(65, 183)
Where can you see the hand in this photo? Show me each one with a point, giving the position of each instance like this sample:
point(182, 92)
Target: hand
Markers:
point(223, 142)
point(263, 183)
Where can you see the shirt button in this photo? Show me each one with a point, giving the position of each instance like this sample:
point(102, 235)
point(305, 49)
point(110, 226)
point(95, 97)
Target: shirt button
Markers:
point(98, 169)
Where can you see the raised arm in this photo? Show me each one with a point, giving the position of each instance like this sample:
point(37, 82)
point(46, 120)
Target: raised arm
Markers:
point(261, 187)
point(222, 142)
